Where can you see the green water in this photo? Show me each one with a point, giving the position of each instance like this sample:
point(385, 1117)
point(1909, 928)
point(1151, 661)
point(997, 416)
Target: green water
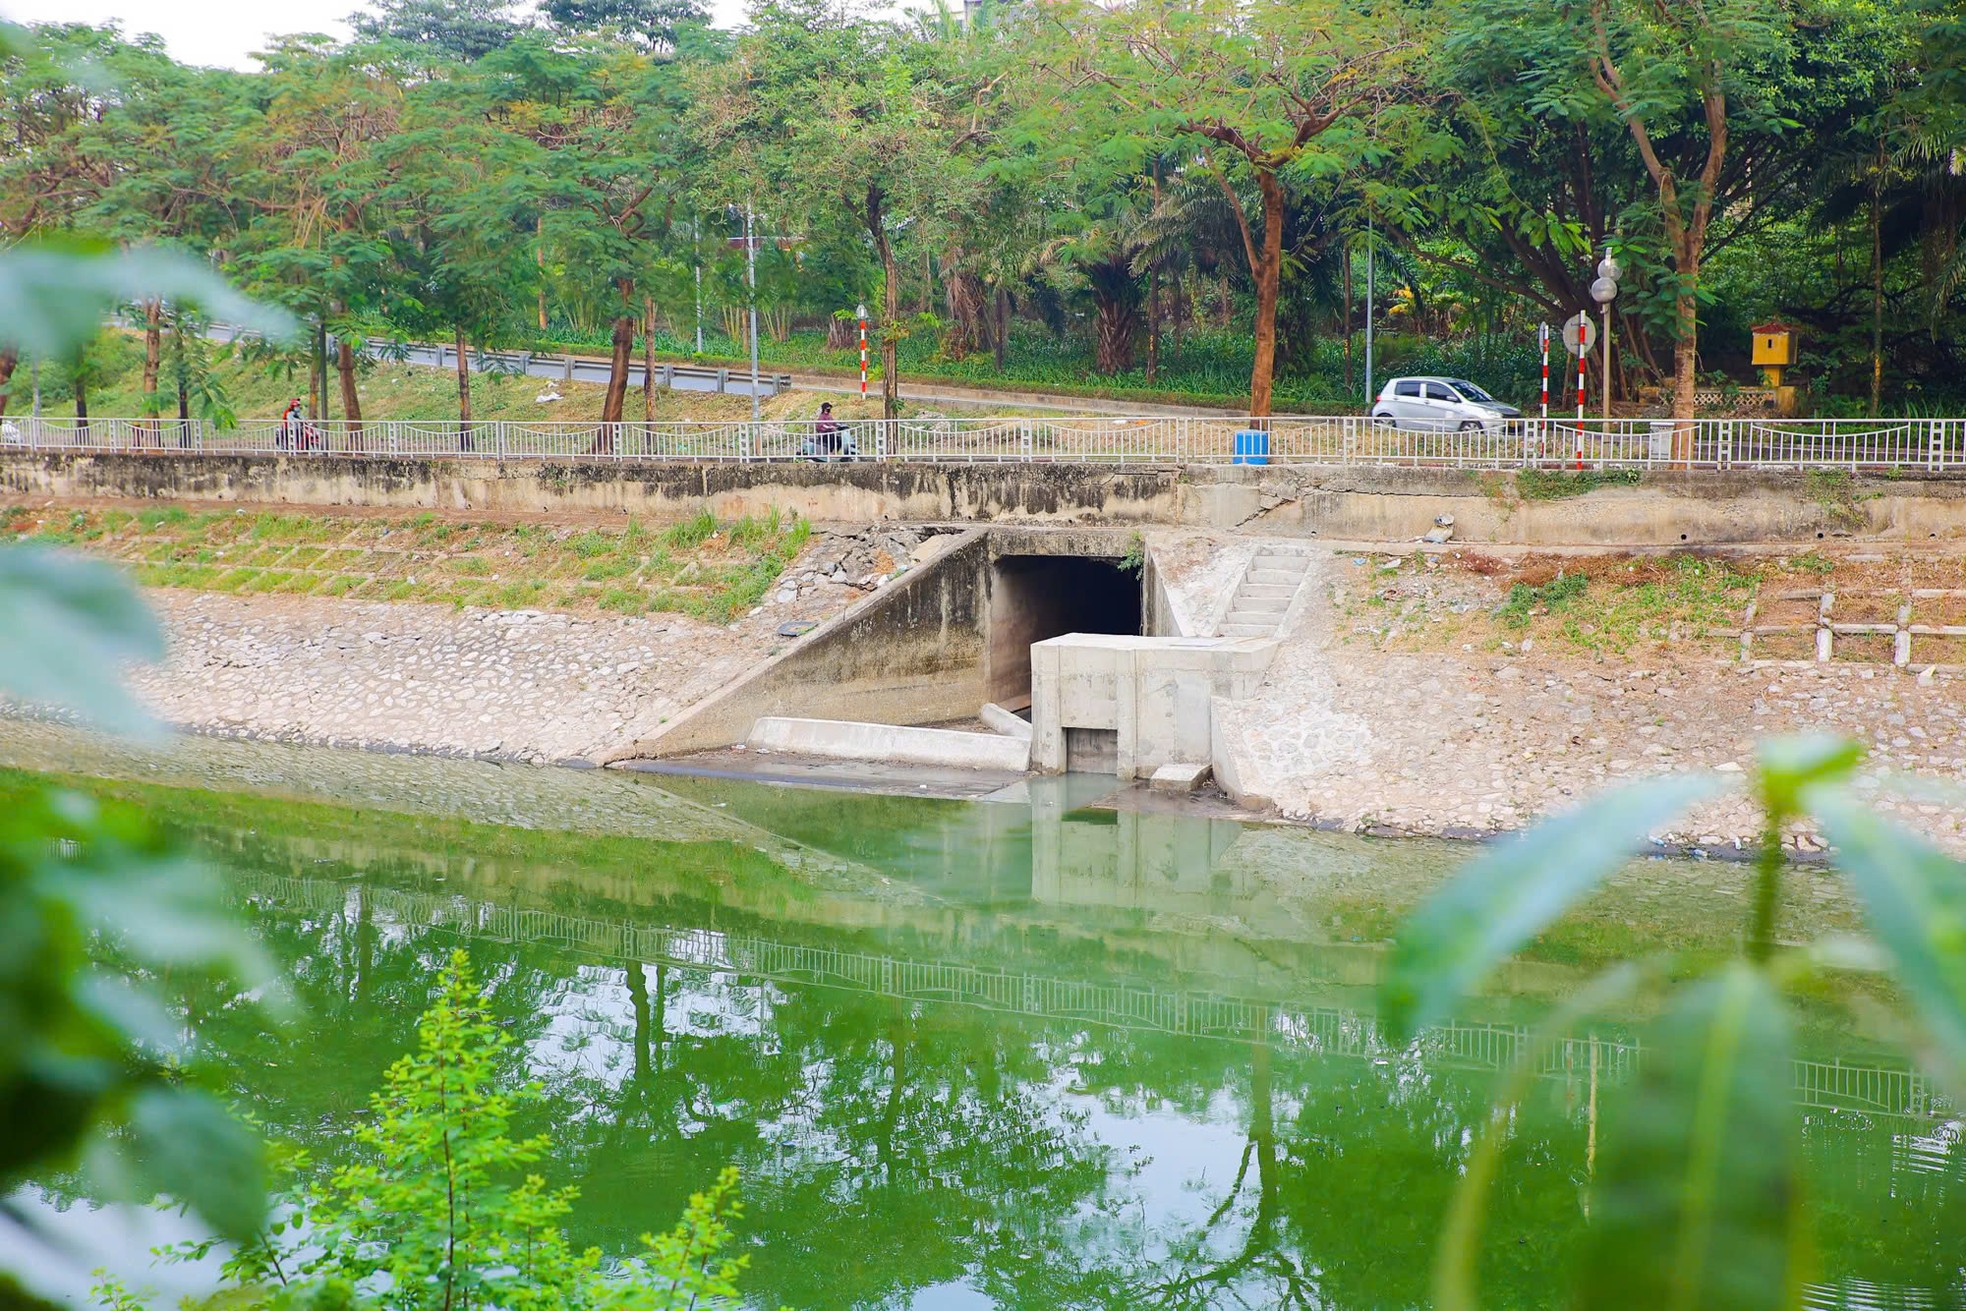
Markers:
point(990, 1054)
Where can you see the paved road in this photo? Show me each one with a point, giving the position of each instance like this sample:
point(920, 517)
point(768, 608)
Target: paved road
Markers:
point(737, 382)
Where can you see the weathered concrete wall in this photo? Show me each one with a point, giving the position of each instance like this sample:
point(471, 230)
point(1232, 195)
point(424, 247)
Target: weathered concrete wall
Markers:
point(1664, 508)
point(910, 654)
point(840, 493)
point(1361, 503)
point(1155, 695)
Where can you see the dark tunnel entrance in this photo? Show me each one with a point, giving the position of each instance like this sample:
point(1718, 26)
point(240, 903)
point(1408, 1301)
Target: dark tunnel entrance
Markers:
point(1034, 597)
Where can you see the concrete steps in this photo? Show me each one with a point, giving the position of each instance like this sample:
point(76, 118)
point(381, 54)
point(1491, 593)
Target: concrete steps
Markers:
point(1264, 596)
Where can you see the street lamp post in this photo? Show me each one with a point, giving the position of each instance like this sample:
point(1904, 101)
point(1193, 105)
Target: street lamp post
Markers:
point(751, 277)
point(1604, 291)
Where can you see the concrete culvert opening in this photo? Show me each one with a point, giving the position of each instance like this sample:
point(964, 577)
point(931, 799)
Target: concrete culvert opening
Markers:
point(1035, 597)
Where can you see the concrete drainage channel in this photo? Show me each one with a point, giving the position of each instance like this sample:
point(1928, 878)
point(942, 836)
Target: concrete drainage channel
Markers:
point(1002, 651)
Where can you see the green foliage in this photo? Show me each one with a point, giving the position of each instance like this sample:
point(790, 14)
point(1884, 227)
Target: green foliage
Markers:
point(688, 534)
point(440, 1203)
point(1506, 897)
point(93, 1066)
point(56, 294)
point(1697, 1201)
point(442, 1208)
point(1523, 600)
point(1547, 485)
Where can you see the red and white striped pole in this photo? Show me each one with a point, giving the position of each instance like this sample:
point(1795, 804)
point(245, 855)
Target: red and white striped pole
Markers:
point(1581, 355)
point(1544, 333)
point(863, 350)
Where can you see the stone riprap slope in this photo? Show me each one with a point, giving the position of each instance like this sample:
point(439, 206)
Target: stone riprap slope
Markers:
point(514, 641)
point(520, 685)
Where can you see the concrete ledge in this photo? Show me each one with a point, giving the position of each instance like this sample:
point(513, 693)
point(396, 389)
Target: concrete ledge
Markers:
point(1002, 721)
point(839, 739)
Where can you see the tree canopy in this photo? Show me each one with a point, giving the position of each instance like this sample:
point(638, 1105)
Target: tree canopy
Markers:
point(1077, 191)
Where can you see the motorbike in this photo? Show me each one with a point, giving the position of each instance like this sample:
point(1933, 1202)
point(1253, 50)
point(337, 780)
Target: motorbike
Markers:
point(830, 444)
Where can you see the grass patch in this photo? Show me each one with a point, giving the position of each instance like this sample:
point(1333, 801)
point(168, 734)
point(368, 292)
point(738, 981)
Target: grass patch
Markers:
point(702, 567)
point(1551, 598)
point(623, 600)
point(690, 533)
point(1557, 485)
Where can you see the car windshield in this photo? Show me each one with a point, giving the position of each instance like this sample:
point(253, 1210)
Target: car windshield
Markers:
point(1469, 391)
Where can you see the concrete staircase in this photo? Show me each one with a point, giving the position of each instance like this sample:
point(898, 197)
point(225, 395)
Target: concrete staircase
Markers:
point(1263, 597)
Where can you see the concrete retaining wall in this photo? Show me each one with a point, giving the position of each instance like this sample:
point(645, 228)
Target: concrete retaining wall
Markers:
point(1354, 503)
point(836, 739)
point(913, 653)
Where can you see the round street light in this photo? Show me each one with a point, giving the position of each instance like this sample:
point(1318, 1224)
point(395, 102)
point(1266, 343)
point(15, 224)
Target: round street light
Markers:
point(1604, 291)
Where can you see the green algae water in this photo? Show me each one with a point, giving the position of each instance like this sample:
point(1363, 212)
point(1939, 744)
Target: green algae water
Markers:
point(1018, 1053)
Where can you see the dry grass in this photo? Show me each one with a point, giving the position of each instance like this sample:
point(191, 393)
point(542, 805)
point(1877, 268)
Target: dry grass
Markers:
point(1616, 604)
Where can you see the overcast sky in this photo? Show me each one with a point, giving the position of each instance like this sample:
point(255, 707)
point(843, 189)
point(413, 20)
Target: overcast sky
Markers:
point(226, 31)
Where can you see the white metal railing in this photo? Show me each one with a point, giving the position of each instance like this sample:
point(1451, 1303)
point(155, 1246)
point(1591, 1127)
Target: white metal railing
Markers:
point(1929, 445)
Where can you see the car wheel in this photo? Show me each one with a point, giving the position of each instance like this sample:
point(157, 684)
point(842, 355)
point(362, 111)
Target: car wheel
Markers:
point(1470, 425)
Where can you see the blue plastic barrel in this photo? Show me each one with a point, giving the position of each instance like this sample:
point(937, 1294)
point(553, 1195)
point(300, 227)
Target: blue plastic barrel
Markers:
point(1252, 446)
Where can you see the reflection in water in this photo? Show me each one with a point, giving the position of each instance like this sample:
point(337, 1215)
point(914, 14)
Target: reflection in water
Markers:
point(1014, 1055)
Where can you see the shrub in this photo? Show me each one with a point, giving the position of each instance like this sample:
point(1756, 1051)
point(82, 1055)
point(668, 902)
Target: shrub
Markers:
point(443, 1207)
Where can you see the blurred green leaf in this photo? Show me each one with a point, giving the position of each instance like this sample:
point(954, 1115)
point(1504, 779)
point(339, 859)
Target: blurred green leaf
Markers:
point(137, 1015)
point(53, 295)
point(71, 625)
point(1914, 897)
point(1509, 894)
point(200, 1155)
point(1697, 1204)
point(1789, 765)
point(1457, 1264)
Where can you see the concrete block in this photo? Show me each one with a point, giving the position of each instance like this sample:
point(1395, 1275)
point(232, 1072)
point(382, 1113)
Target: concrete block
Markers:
point(1226, 505)
point(1153, 696)
point(839, 739)
point(1184, 776)
point(1002, 721)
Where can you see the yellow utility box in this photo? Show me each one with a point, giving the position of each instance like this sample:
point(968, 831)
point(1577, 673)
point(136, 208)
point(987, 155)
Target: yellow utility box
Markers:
point(1774, 344)
point(1774, 350)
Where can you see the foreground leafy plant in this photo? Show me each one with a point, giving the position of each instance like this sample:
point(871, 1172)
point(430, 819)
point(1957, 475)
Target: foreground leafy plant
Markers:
point(94, 1066)
point(1697, 1199)
point(440, 1211)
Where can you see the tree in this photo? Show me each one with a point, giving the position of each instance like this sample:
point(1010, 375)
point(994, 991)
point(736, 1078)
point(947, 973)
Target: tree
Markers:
point(451, 29)
point(613, 159)
point(1277, 92)
point(309, 235)
point(657, 22)
point(459, 196)
point(824, 112)
point(1680, 81)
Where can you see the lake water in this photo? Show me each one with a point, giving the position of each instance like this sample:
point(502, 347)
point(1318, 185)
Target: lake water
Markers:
point(1020, 1053)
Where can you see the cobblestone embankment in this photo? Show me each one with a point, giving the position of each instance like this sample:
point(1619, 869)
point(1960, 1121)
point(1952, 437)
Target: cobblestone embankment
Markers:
point(511, 685)
point(1465, 744)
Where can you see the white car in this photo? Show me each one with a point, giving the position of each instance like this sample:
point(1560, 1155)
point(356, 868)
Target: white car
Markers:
point(1440, 405)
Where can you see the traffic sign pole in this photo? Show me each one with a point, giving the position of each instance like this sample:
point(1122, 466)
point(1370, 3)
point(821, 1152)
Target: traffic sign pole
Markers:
point(863, 351)
point(1544, 333)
